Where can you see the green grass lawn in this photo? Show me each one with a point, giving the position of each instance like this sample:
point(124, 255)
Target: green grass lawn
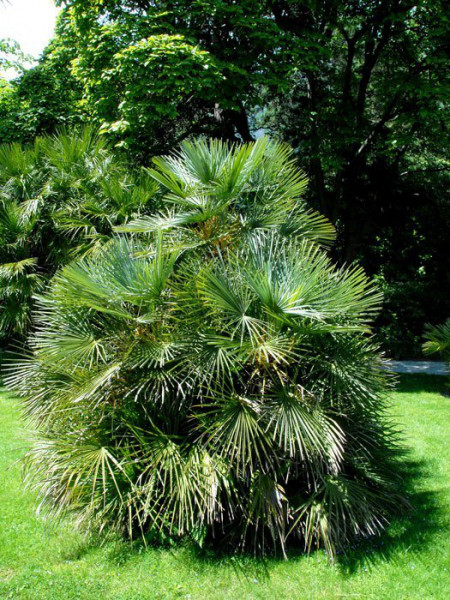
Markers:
point(412, 560)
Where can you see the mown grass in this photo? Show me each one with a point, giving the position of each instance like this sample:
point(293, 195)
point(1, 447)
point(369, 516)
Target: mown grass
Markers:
point(412, 560)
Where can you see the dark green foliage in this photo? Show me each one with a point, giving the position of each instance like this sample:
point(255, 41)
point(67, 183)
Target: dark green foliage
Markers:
point(366, 107)
point(195, 66)
point(216, 376)
point(411, 262)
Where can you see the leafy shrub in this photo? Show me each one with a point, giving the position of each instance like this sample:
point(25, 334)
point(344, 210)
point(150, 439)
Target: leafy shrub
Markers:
point(213, 374)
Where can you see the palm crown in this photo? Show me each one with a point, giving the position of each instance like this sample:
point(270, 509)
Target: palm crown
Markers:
point(214, 372)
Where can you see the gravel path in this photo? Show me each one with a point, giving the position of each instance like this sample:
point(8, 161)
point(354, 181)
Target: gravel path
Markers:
point(429, 367)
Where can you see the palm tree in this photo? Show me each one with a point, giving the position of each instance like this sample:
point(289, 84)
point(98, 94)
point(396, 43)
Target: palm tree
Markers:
point(19, 208)
point(59, 198)
point(214, 374)
point(19, 279)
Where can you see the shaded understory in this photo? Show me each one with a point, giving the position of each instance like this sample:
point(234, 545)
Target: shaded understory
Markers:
point(410, 561)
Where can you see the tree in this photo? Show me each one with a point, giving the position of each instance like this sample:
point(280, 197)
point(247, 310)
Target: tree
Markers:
point(217, 377)
point(143, 64)
point(155, 98)
point(368, 94)
point(42, 99)
point(12, 56)
point(346, 79)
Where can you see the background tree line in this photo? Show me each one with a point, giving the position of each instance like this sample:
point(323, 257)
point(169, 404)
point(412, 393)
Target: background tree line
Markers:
point(358, 88)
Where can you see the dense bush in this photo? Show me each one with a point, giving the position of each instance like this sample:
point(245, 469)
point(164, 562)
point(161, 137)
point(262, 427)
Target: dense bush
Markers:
point(213, 375)
point(58, 199)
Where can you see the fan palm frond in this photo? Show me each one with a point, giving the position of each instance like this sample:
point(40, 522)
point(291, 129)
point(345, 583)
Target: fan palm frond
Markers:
point(438, 340)
point(241, 188)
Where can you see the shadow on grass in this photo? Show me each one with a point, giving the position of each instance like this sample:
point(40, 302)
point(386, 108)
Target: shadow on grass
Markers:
point(421, 383)
point(415, 530)
point(412, 532)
